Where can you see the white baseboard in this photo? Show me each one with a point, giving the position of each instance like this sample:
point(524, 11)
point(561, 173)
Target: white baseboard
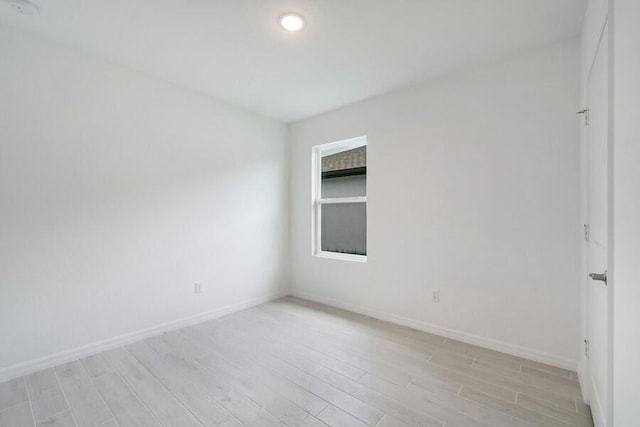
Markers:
point(504, 347)
point(35, 365)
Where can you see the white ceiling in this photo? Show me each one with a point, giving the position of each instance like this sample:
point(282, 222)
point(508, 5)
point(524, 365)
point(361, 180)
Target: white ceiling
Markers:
point(349, 51)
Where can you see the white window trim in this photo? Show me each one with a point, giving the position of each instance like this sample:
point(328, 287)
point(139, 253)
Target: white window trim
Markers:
point(317, 201)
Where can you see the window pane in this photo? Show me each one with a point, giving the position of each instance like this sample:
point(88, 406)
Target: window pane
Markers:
point(344, 228)
point(344, 174)
point(346, 186)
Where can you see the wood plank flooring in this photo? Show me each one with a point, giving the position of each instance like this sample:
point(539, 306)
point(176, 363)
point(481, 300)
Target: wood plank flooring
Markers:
point(298, 364)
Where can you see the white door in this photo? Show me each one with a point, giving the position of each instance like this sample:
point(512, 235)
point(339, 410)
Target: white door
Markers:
point(597, 245)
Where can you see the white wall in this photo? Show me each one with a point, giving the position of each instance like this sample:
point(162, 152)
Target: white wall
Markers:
point(119, 191)
point(473, 190)
point(626, 211)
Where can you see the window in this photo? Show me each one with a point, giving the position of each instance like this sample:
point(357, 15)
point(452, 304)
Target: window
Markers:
point(340, 200)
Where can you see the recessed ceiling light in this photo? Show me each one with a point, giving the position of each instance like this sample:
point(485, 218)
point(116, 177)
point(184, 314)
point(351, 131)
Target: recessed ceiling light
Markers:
point(291, 22)
point(25, 7)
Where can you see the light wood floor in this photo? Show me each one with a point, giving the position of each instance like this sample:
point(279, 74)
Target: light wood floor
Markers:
point(295, 363)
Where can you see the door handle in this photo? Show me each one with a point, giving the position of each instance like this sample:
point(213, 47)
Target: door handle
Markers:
point(599, 276)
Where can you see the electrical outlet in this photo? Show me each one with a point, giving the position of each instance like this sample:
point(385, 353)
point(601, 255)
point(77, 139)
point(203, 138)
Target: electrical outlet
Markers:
point(435, 296)
point(198, 288)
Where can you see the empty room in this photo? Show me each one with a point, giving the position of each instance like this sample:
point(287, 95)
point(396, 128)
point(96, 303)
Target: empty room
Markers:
point(312, 213)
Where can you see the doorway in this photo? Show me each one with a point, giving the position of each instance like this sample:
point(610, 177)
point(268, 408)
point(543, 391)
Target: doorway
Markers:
point(597, 232)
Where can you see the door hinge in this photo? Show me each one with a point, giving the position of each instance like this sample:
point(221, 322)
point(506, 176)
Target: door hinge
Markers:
point(586, 348)
point(587, 232)
point(584, 112)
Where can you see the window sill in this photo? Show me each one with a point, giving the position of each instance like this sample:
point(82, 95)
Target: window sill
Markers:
point(343, 257)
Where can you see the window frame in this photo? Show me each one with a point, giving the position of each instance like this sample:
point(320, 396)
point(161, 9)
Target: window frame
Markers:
point(317, 152)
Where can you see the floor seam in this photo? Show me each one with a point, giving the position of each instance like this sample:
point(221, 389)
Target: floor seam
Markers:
point(84, 368)
point(64, 395)
point(33, 415)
